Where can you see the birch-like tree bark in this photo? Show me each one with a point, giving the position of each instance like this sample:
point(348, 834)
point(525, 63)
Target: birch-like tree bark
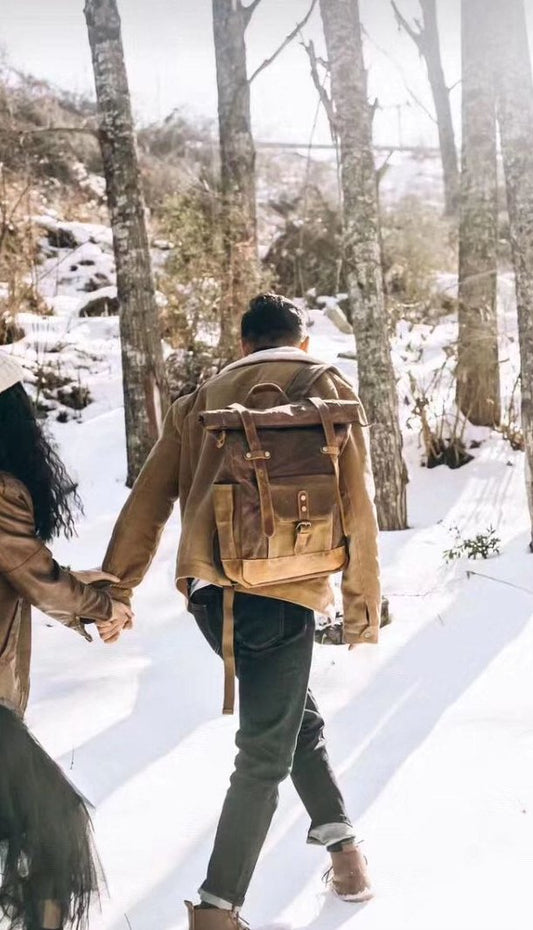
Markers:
point(145, 393)
point(362, 256)
point(514, 99)
point(425, 35)
point(478, 377)
point(237, 158)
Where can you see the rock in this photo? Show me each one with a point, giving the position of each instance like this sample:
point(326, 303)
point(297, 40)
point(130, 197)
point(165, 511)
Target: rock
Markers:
point(59, 235)
point(97, 282)
point(75, 396)
point(335, 314)
point(103, 302)
point(163, 244)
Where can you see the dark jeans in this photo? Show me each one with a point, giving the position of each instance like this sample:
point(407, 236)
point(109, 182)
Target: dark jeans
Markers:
point(281, 733)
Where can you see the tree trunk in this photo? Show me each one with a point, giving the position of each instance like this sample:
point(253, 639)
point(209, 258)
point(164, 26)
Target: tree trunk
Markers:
point(427, 41)
point(237, 154)
point(478, 377)
point(145, 393)
point(441, 97)
point(514, 99)
point(362, 256)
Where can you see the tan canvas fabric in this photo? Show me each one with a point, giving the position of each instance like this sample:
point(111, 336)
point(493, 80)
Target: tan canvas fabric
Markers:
point(182, 465)
point(29, 575)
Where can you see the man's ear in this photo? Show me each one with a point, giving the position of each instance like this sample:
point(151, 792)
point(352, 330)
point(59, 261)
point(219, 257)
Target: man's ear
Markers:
point(246, 348)
point(304, 346)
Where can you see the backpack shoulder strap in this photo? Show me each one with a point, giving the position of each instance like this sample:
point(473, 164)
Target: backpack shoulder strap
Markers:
point(302, 382)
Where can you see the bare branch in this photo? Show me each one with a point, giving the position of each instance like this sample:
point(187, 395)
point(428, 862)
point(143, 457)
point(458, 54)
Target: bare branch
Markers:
point(249, 12)
point(400, 71)
point(417, 37)
point(420, 103)
point(382, 170)
point(454, 85)
point(325, 99)
point(287, 41)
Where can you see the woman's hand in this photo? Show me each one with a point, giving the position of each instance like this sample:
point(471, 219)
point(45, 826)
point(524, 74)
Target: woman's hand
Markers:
point(95, 575)
point(121, 619)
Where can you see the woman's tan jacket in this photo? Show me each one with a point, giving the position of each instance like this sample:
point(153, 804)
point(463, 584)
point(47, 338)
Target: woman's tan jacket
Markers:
point(30, 576)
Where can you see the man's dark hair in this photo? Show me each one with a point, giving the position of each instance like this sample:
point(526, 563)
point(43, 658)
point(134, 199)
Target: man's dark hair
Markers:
point(271, 321)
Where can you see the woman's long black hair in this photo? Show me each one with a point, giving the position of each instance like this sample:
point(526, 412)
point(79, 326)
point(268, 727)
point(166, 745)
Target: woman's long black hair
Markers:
point(26, 454)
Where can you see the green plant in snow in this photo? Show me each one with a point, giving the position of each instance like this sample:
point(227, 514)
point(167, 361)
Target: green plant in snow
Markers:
point(480, 546)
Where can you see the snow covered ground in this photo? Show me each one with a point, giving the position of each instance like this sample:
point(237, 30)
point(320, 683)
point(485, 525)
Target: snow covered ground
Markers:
point(431, 732)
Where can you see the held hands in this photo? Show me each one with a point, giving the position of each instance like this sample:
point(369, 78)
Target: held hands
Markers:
point(121, 619)
point(122, 616)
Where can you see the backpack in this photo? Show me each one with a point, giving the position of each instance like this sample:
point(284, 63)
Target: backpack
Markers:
point(279, 511)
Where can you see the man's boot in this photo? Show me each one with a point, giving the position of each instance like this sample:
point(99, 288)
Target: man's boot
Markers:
point(214, 918)
point(348, 875)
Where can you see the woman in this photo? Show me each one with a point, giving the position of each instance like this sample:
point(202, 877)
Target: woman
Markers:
point(48, 869)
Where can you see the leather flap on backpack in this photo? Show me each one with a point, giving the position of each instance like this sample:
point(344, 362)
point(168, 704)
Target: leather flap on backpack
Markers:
point(256, 572)
point(288, 416)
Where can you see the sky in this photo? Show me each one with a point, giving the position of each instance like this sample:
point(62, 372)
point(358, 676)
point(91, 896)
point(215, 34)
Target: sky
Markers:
point(170, 60)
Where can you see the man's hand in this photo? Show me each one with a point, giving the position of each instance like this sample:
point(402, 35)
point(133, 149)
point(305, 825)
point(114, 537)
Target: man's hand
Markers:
point(121, 619)
point(95, 575)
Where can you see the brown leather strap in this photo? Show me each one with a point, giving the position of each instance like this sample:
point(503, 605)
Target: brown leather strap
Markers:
point(332, 449)
point(258, 457)
point(228, 650)
point(304, 379)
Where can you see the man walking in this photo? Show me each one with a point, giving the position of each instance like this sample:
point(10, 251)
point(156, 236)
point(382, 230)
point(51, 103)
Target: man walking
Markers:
point(281, 730)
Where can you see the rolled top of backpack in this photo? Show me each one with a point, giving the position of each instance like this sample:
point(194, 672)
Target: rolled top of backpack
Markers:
point(293, 416)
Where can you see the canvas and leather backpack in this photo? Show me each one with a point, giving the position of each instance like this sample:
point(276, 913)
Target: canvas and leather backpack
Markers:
point(278, 506)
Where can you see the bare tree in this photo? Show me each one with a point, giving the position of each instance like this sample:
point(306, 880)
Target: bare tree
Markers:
point(231, 19)
point(514, 98)
point(362, 255)
point(145, 393)
point(478, 380)
point(425, 35)
point(237, 155)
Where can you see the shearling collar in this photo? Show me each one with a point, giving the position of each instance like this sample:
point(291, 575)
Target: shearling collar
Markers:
point(280, 354)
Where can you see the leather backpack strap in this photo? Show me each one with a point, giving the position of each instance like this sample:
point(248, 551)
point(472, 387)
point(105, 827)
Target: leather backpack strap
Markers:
point(302, 382)
point(228, 650)
point(258, 457)
point(332, 449)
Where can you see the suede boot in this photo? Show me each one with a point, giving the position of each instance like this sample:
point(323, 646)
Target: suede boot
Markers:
point(348, 875)
point(214, 918)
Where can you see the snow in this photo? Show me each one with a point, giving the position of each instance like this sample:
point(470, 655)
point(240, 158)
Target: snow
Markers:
point(431, 732)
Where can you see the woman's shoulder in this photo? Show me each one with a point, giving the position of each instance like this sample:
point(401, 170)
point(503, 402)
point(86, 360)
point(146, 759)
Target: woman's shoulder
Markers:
point(14, 492)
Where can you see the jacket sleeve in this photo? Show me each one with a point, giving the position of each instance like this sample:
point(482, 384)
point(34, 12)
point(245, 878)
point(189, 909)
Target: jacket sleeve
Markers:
point(139, 526)
point(361, 586)
point(31, 570)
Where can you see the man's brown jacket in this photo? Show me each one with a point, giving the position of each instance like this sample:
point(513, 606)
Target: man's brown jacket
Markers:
point(180, 467)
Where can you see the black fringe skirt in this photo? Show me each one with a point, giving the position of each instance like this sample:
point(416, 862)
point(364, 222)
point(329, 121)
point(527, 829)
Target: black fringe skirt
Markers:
point(46, 845)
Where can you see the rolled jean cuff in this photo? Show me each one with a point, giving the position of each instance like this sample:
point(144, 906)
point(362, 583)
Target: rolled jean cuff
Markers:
point(209, 898)
point(329, 833)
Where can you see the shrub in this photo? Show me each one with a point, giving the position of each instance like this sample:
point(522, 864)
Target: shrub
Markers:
point(416, 243)
point(480, 546)
point(307, 253)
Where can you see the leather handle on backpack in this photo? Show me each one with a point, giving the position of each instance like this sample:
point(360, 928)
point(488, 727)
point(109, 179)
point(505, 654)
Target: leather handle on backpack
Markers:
point(266, 387)
point(258, 457)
